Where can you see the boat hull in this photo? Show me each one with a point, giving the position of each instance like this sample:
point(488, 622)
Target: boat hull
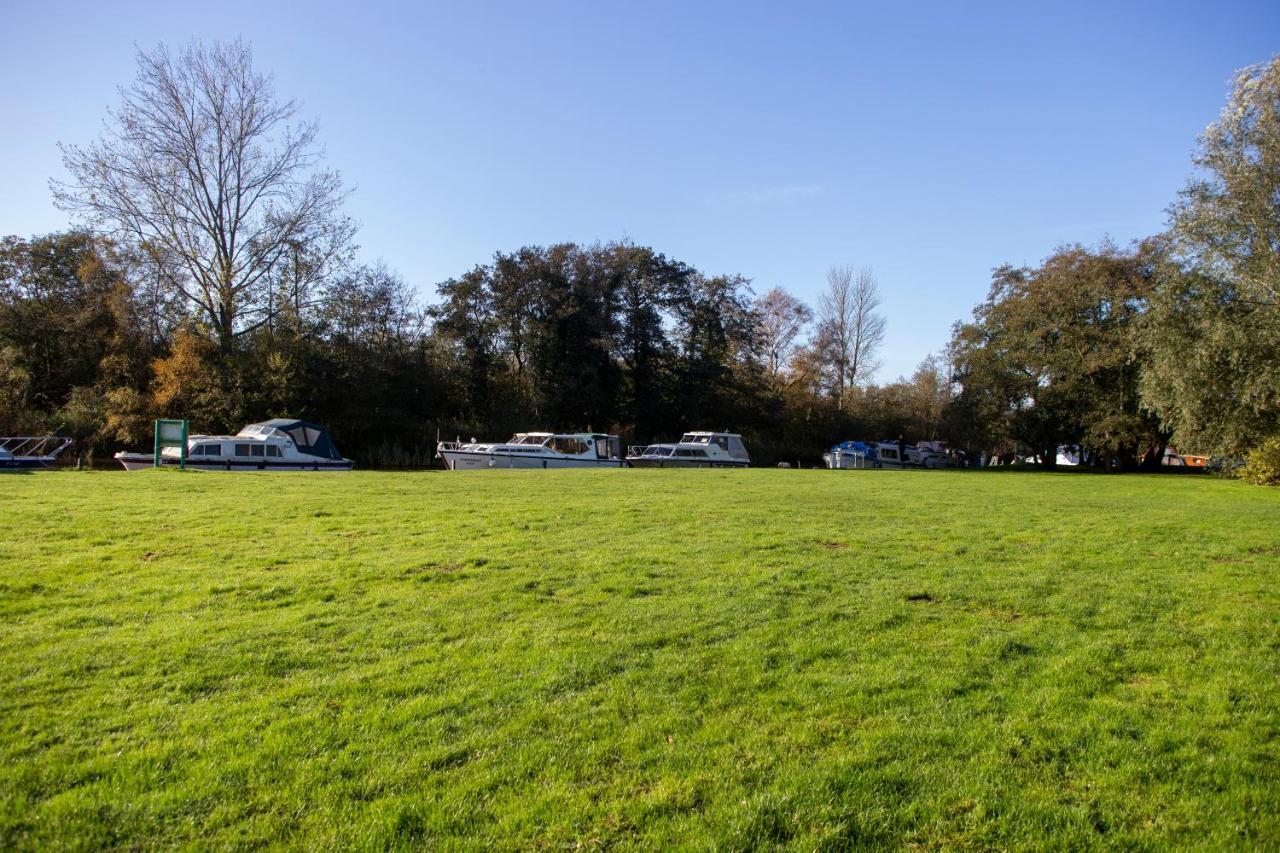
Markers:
point(464, 460)
point(138, 461)
point(20, 464)
point(642, 462)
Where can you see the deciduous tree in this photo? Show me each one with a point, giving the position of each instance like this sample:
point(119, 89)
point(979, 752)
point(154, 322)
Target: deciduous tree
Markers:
point(1212, 372)
point(782, 318)
point(850, 328)
point(205, 170)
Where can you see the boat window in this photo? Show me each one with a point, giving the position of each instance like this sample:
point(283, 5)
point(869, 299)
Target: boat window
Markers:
point(258, 450)
point(886, 453)
point(244, 450)
point(569, 445)
point(212, 449)
point(198, 450)
point(272, 450)
point(722, 441)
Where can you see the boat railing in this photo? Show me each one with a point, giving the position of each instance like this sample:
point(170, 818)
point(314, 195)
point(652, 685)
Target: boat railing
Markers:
point(636, 450)
point(43, 447)
point(837, 455)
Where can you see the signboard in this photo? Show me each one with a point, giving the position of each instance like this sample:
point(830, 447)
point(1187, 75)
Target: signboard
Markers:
point(172, 433)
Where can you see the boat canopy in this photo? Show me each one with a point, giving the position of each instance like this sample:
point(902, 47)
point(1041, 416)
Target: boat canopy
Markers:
point(859, 447)
point(308, 437)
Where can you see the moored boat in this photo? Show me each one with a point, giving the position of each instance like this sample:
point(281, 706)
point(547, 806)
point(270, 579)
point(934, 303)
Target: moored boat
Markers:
point(535, 450)
point(24, 452)
point(280, 444)
point(850, 454)
point(693, 450)
point(885, 454)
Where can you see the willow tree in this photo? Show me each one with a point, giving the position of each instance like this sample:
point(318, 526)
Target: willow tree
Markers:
point(1213, 331)
point(204, 169)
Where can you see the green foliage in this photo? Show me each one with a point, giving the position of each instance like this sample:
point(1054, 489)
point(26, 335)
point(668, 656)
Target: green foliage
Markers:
point(935, 660)
point(1209, 368)
point(68, 332)
point(612, 336)
point(1262, 466)
point(1214, 326)
point(1048, 359)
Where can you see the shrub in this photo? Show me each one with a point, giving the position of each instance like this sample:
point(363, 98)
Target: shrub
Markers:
point(1262, 467)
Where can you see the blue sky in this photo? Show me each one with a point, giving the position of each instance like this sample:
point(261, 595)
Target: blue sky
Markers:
point(929, 141)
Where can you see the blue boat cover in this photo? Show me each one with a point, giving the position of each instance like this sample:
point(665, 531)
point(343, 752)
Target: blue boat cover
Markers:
point(856, 447)
point(310, 438)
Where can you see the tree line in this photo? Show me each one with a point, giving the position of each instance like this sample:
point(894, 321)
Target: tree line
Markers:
point(214, 276)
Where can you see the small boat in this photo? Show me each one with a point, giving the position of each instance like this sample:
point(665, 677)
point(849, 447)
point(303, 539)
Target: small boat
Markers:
point(885, 454)
point(281, 444)
point(693, 450)
point(535, 450)
point(850, 454)
point(24, 452)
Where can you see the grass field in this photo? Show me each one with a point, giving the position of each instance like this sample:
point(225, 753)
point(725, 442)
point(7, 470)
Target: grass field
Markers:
point(639, 658)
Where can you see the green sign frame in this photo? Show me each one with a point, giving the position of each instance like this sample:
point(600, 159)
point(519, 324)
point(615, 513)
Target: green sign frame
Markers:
point(172, 433)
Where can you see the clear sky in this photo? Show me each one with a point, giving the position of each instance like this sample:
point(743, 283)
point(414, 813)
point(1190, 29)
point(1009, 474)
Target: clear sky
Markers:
point(930, 141)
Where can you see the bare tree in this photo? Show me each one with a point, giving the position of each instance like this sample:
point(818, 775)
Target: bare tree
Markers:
point(850, 328)
point(782, 319)
point(203, 168)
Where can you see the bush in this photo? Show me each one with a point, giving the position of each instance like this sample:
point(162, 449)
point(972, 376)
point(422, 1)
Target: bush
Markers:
point(1262, 467)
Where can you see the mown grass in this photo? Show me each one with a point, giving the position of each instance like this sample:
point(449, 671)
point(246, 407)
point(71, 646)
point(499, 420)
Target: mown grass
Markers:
point(639, 658)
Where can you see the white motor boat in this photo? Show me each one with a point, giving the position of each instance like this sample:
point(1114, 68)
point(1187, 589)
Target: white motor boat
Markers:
point(535, 450)
point(693, 450)
point(280, 444)
point(890, 455)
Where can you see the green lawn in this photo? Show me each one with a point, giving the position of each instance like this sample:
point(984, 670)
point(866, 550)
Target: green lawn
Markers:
point(640, 658)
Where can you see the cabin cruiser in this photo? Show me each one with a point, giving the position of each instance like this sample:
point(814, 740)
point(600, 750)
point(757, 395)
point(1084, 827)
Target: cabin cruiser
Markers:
point(535, 450)
point(886, 454)
point(280, 444)
point(23, 452)
point(693, 450)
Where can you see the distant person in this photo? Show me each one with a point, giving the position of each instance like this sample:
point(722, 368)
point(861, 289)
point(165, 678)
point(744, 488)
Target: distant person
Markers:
point(902, 451)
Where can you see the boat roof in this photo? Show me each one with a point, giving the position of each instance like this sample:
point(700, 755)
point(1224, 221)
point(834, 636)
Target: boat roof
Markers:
point(307, 437)
point(703, 432)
